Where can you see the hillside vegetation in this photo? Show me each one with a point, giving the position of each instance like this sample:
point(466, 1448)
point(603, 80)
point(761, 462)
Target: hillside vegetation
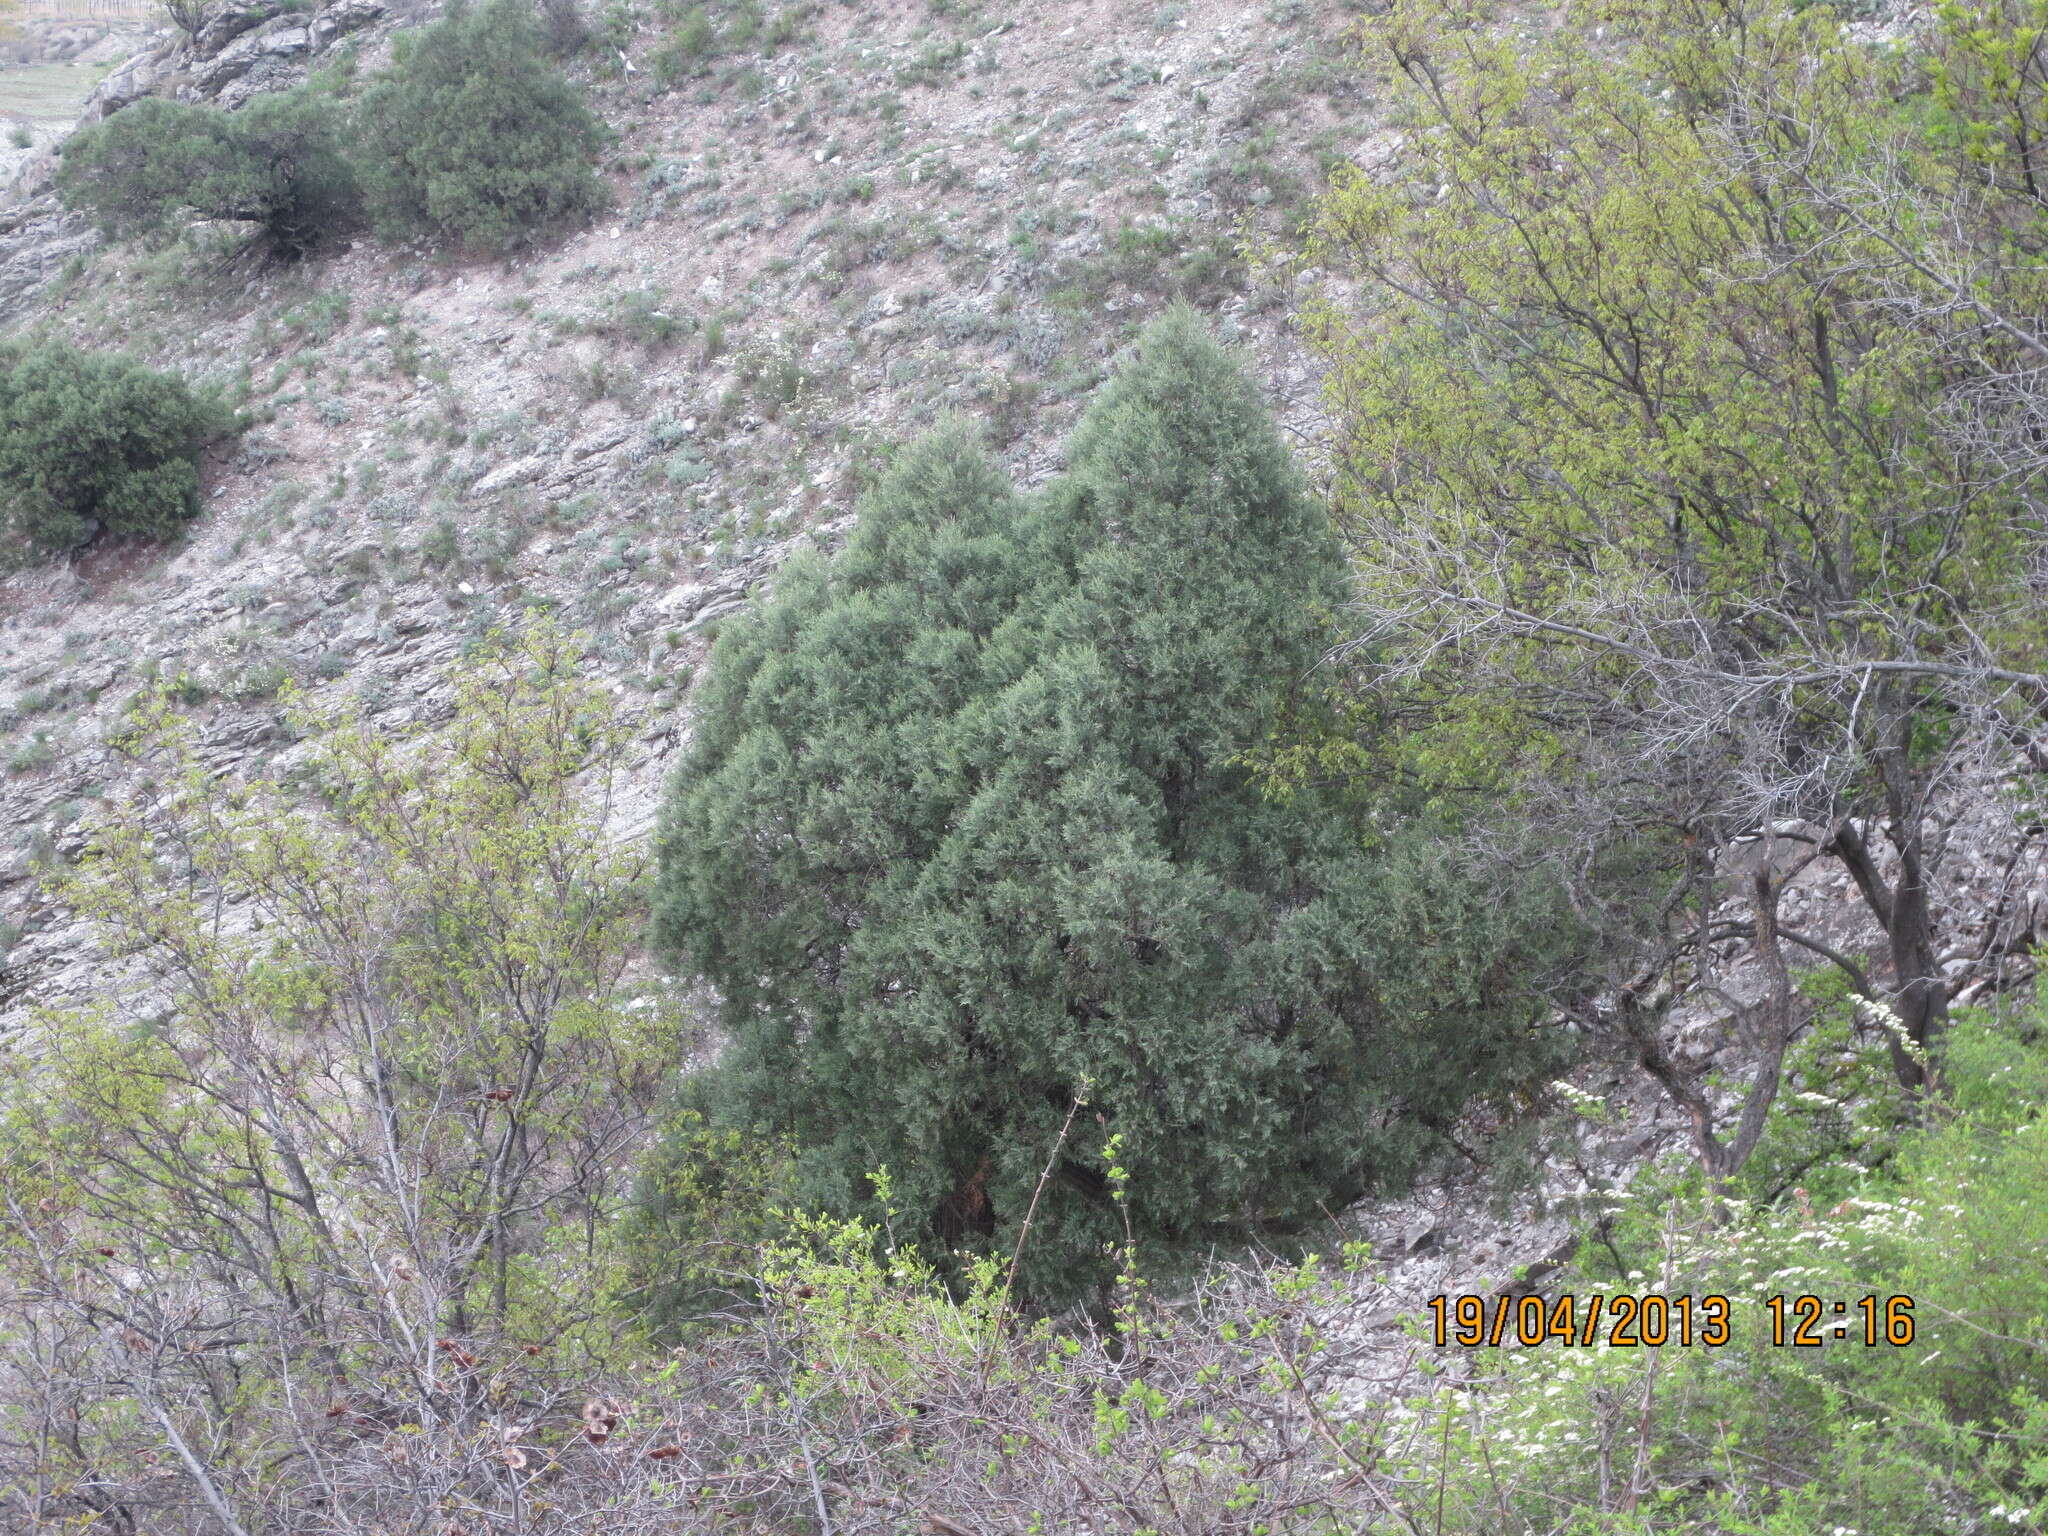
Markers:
point(1106, 841)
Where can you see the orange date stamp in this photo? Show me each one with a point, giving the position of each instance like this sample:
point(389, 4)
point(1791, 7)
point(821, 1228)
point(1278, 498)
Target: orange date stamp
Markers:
point(1621, 1321)
point(1652, 1321)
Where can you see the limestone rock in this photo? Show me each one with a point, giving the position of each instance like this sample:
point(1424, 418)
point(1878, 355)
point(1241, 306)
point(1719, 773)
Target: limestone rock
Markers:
point(505, 476)
point(268, 42)
point(230, 22)
point(342, 18)
point(129, 82)
point(35, 243)
point(270, 73)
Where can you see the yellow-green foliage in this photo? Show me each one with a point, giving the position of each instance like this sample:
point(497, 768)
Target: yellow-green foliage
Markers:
point(376, 1084)
point(1655, 362)
point(705, 1200)
point(875, 1325)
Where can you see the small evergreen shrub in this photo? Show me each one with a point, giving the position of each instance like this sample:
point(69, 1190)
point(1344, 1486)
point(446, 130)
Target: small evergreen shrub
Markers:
point(564, 25)
point(644, 315)
point(476, 138)
point(33, 755)
point(702, 38)
point(318, 318)
point(279, 163)
point(94, 444)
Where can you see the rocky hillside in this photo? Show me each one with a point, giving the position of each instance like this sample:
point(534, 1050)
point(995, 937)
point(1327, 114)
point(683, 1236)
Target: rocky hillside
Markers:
point(886, 213)
point(816, 249)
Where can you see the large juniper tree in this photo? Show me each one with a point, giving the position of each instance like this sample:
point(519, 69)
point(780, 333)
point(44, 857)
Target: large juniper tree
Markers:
point(965, 833)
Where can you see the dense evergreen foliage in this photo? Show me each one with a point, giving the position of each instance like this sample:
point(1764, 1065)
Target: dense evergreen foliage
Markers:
point(280, 163)
point(93, 443)
point(964, 836)
point(474, 137)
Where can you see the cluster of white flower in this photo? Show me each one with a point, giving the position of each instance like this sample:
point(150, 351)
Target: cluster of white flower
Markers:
point(1889, 1021)
point(1588, 1106)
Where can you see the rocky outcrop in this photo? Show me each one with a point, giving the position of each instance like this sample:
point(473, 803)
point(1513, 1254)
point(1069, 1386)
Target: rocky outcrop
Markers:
point(245, 49)
point(37, 240)
point(130, 81)
point(270, 54)
point(229, 23)
point(342, 18)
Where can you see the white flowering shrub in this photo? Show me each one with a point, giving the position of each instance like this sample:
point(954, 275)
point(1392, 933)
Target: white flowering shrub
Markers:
point(1763, 1438)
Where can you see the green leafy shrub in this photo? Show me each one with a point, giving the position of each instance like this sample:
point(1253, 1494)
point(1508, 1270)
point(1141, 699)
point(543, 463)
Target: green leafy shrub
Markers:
point(317, 320)
point(92, 443)
point(1669, 475)
point(279, 163)
point(441, 544)
point(689, 49)
point(645, 315)
point(474, 137)
point(706, 1199)
point(965, 835)
point(33, 755)
point(701, 38)
point(1763, 1437)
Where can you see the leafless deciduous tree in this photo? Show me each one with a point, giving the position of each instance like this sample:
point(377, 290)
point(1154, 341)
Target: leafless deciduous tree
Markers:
point(189, 16)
